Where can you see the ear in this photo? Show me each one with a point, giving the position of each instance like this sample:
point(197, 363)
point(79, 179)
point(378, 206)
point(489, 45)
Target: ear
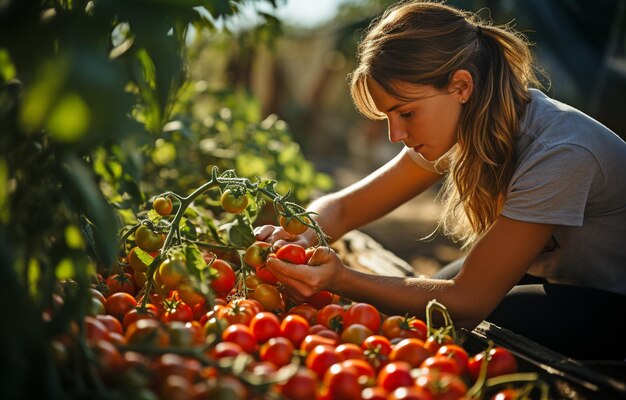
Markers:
point(462, 84)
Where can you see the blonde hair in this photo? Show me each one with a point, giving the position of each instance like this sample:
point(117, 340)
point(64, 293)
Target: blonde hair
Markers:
point(424, 43)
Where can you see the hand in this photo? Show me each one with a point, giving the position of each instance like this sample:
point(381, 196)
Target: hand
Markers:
point(321, 273)
point(278, 237)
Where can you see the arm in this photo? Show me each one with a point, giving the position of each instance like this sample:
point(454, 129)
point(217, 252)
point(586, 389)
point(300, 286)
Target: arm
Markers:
point(391, 185)
point(494, 265)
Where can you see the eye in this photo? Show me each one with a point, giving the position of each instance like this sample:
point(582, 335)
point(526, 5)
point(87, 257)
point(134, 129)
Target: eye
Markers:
point(406, 114)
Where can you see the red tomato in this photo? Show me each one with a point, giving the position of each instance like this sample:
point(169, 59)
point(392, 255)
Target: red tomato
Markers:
point(341, 382)
point(364, 314)
point(442, 385)
point(179, 311)
point(332, 316)
point(266, 275)
point(109, 358)
point(256, 254)
point(264, 326)
point(277, 350)
point(185, 334)
point(410, 393)
point(350, 351)
point(441, 364)
point(226, 349)
point(313, 340)
point(236, 313)
point(223, 277)
point(301, 386)
point(147, 331)
point(251, 304)
point(394, 375)
point(362, 367)
point(137, 313)
point(500, 362)
point(307, 311)
point(397, 326)
point(163, 205)
point(456, 353)
point(374, 393)
point(118, 304)
point(95, 330)
point(240, 334)
point(377, 344)
point(321, 358)
point(292, 253)
point(121, 283)
point(320, 299)
point(112, 324)
point(295, 328)
point(410, 350)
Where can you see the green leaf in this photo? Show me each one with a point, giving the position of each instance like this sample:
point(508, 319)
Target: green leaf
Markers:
point(70, 119)
point(239, 232)
point(144, 256)
point(65, 269)
point(7, 69)
point(194, 258)
point(73, 237)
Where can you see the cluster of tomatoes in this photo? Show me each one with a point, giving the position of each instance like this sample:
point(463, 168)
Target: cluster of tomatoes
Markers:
point(249, 339)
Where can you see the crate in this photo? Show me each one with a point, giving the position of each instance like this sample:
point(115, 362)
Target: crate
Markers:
point(567, 378)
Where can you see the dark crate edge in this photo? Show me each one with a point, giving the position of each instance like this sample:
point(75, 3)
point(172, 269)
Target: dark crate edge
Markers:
point(549, 361)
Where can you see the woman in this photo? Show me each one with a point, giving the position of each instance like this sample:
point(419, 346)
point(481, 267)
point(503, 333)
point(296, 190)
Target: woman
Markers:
point(533, 187)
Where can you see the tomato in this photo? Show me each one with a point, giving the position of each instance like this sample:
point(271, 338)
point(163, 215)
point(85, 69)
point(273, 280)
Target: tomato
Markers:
point(137, 313)
point(410, 393)
point(178, 311)
point(135, 262)
point(507, 394)
point(118, 304)
point(295, 328)
point(410, 350)
point(268, 295)
point(442, 385)
point(163, 205)
point(364, 314)
point(241, 335)
point(307, 311)
point(456, 353)
point(301, 386)
point(441, 364)
point(232, 202)
point(313, 340)
point(112, 324)
point(320, 299)
point(147, 331)
point(266, 276)
point(292, 226)
point(256, 254)
point(292, 253)
point(95, 330)
point(175, 364)
point(250, 304)
point(341, 382)
point(226, 349)
point(109, 358)
point(377, 344)
point(277, 350)
point(172, 271)
point(184, 334)
point(190, 295)
point(175, 387)
point(121, 283)
point(332, 316)
point(362, 368)
point(394, 375)
point(97, 294)
point(147, 240)
point(355, 333)
point(236, 313)
point(223, 277)
point(328, 333)
point(397, 326)
point(214, 326)
point(500, 362)
point(320, 358)
point(350, 351)
point(434, 342)
point(264, 326)
point(374, 393)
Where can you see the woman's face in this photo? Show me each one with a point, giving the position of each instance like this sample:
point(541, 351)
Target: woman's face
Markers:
point(426, 124)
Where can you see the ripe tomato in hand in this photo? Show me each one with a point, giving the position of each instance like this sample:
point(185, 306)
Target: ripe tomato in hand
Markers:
point(256, 254)
point(292, 226)
point(292, 253)
point(233, 203)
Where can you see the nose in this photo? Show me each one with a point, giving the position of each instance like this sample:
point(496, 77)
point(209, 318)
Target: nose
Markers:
point(396, 132)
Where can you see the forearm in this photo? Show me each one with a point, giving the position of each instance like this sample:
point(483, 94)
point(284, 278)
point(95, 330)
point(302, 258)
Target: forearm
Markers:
point(399, 295)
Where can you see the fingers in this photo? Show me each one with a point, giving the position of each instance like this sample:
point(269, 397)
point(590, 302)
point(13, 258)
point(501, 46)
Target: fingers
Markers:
point(277, 236)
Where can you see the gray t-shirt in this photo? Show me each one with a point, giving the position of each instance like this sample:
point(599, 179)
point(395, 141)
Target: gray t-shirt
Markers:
point(570, 172)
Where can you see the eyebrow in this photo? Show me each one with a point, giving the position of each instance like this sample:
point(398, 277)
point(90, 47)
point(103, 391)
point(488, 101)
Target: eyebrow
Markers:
point(396, 106)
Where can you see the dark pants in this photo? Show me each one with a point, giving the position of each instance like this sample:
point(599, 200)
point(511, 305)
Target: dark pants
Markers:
point(578, 322)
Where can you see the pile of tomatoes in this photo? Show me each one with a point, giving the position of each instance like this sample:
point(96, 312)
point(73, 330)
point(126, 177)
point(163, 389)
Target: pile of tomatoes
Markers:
point(244, 337)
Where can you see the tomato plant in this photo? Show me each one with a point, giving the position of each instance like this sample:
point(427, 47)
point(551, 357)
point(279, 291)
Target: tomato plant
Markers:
point(147, 240)
point(163, 205)
point(256, 254)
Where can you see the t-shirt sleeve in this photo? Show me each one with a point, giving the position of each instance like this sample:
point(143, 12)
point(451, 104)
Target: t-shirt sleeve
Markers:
point(552, 187)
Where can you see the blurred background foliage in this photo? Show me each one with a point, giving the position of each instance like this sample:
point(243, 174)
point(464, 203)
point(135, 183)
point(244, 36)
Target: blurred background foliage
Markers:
point(106, 103)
